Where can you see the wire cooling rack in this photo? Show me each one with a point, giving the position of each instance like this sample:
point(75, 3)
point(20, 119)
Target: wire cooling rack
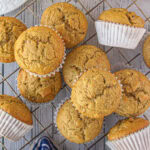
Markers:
point(44, 124)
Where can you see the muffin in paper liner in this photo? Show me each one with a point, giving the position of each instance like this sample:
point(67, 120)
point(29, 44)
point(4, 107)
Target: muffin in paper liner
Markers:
point(61, 64)
point(34, 103)
point(145, 48)
point(77, 78)
point(55, 118)
point(118, 35)
point(12, 128)
point(137, 141)
point(121, 66)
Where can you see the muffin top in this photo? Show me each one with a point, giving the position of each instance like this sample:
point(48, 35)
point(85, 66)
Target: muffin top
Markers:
point(122, 16)
point(126, 127)
point(146, 51)
point(69, 21)
point(16, 108)
point(76, 127)
point(38, 89)
point(39, 50)
point(136, 93)
point(10, 29)
point(81, 58)
point(97, 93)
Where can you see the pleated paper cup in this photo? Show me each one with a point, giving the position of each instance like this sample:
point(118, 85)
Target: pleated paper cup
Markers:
point(12, 128)
point(137, 141)
point(117, 35)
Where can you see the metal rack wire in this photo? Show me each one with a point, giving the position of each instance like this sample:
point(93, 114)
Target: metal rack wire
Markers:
point(121, 53)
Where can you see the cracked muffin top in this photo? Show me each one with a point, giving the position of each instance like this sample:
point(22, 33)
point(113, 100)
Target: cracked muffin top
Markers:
point(136, 93)
point(69, 21)
point(122, 16)
point(126, 127)
point(38, 89)
point(74, 126)
point(146, 51)
point(39, 50)
point(10, 29)
point(97, 93)
point(16, 108)
point(81, 58)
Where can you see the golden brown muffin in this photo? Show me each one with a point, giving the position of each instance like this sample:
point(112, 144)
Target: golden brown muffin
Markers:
point(81, 58)
point(39, 50)
point(136, 93)
point(69, 21)
point(122, 16)
point(126, 127)
point(16, 108)
point(37, 89)
point(75, 127)
point(97, 93)
point(10, 29)
point(146, 51)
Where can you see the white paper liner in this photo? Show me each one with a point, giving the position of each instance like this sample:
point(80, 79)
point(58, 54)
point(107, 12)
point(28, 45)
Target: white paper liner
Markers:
point(12, 128)
point(118, 35)
point(137, 141)
point(61, 64)
point(55, 118)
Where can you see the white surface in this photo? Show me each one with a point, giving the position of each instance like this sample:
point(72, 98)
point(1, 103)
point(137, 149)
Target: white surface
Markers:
point(10, 5)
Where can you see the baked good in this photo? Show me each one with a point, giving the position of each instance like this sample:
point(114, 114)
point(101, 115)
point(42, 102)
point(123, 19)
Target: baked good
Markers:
point(39, 50)
point(69, 21)
point(16, 108)
point(96, 94)
point(10, 29)
point(37, 89)
point(81, 58)
point(136, 93)
point(146, 50)
point(122, 16)
point(74, 126)
point(126, 127)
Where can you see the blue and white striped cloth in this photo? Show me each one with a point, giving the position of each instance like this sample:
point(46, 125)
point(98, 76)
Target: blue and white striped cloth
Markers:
point(44, 143)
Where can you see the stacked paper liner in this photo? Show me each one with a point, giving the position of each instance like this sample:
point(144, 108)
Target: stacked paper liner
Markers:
point(117, 35)
point(137, 141)
point(12, 128)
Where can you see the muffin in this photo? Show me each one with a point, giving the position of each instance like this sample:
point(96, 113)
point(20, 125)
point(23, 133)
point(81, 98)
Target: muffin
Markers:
point(122, 16)
point(81, 58)
point(10, 29)
point(125, 29)
point(136, 93)
point(74, 126)
point(69, 21)
point(130, 133)
point(38, 90)
point(146, 49)
point(15, 118)
point(96, 94)
point(39, 50)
